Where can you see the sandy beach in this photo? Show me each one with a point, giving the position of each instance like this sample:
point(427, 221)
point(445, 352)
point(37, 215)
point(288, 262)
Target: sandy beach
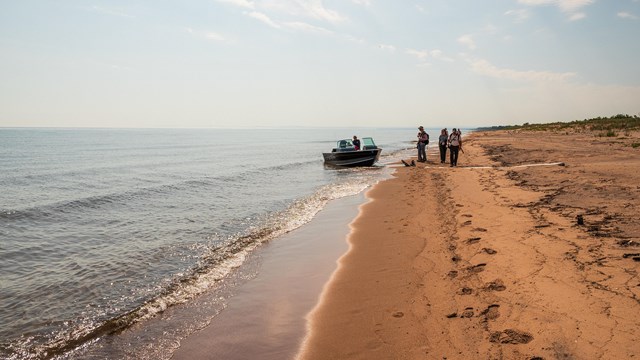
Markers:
point(530, 249)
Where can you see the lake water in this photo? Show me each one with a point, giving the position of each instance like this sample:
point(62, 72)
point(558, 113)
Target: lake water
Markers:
point(101, 230)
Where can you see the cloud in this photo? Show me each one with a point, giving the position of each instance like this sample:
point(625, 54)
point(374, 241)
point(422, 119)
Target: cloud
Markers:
point(626, 15)
point(520, 15)
point(362, 2)
point(421, 9)
point(309, 8)
point(467, 40)
point(564, 5)
point(422, 55)
point(386, 47)
point(570, 7)
point(263, 18)
point(438, 54)
point(214, 36)
point(483, 67)
point(577, 16)
point(307, 28)
point(240, 3)
point(316, 9)
point(354, 39)
point(208, 35)
point(111, 12)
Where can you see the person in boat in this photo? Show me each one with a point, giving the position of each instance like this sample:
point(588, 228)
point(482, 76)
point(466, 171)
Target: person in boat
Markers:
point(442, 142)
point(423, 140)
point(356, 142)
point(455, 144)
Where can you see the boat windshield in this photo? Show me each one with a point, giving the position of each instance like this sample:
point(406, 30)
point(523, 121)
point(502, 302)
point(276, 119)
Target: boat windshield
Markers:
point(343, 144)
point(368, 143)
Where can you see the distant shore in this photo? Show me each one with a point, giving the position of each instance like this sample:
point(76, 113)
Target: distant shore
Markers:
point(495, 258)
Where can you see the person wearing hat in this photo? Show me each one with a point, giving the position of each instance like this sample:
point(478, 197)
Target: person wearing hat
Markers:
point(423, 140)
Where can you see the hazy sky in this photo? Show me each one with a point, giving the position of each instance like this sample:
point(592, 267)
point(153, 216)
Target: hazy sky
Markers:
point(243, 63)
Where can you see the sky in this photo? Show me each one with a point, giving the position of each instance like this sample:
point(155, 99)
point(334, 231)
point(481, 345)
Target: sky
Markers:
point(316, 63)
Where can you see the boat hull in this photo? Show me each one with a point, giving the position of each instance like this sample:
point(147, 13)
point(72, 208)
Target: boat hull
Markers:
point(352, 158)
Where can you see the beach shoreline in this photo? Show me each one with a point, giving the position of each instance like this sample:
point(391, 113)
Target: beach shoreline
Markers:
point(265, 318)
point(488, 260)
point(524, 251)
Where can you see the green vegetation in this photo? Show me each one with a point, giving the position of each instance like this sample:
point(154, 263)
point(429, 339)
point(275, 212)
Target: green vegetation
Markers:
point(620, 122)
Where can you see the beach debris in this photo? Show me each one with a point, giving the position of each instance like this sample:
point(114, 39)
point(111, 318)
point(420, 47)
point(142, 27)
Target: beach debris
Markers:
point(630, 255)
point(452, 315)
point(404, 162)
point(511, 336)
point(580, 220)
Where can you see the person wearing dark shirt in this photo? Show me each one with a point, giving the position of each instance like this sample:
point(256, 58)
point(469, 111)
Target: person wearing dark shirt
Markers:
point(442, 142)
point(356, 142)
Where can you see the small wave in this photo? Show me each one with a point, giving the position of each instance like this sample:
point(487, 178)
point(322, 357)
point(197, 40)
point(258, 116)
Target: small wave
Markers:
point(98, 201)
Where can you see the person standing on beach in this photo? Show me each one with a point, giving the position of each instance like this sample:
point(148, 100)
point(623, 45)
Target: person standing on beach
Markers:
point(356, 142)
point(455, 144)
point(423, 140)
point(442, 142)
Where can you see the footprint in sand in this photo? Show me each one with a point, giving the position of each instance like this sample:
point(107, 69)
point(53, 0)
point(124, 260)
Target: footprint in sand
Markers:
point(495, 285)
point(477, 268)
point(489, 251)
point(511, 336)
point(473, 240)
point(465, 291)
point(467, 313)
point(480, 229)
point(452, 274)
point(466, 223)
point(491, 312)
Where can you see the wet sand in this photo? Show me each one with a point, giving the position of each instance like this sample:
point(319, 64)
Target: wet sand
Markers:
point(265, 319)
point(494, 259)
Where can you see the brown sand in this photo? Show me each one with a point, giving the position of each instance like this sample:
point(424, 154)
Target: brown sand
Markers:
point(489, 260)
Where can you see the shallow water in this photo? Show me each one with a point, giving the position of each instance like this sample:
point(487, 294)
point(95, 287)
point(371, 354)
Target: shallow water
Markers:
point(102, 229)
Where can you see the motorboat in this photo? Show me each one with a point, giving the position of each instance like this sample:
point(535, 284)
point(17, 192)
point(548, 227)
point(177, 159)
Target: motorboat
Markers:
point(345, 153)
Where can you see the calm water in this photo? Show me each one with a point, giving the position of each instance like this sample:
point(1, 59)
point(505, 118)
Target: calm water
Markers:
point(102, 230)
